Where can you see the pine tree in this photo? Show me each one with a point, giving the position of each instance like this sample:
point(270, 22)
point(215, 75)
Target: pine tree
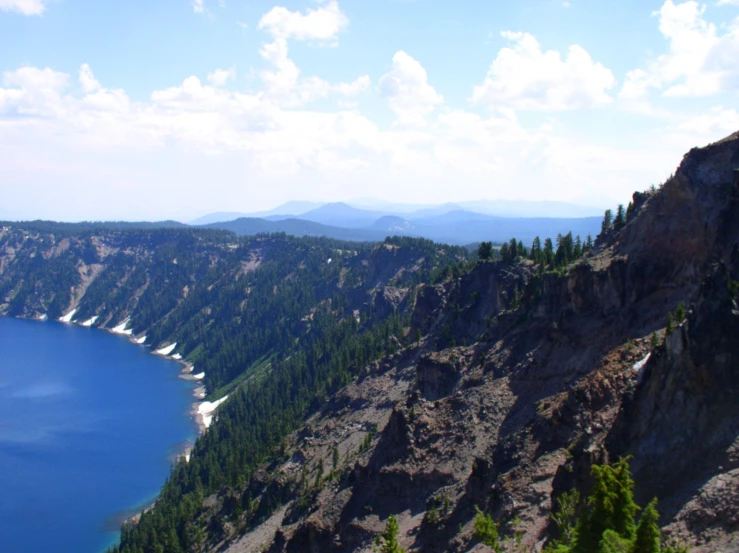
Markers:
point(612, 507)
point(620, 219)
point(387, 541)
point(607, 222)
point(335, 458)
point(647, 533)
point(629, 211)
point(485, 251)
point(548, 251)
point(505, 255)
point(611, 542)
point(486, 530)
point(680, 312)
point(669, 326)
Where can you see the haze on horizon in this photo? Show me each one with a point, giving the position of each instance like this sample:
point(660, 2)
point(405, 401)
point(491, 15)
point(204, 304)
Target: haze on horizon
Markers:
point(171, 110)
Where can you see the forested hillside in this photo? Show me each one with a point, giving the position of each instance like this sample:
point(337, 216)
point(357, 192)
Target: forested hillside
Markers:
point(279, 323)
point(402, 390)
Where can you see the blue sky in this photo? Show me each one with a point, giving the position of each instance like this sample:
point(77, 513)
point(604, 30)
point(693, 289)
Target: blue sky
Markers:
point(176, 108)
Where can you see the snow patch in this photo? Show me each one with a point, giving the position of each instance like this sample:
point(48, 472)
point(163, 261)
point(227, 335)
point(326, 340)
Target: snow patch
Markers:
point(166, 350)
point(68, 317)
point(639, 365)
point(177, 356)
point(121, 328)
point(198, 376)
point(141, 340)
point(207, 408)
point(43, 317)
point(90, 321)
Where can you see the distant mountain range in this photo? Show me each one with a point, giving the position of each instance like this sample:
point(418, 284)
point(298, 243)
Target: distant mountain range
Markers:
point(454, 223)
point(451, 223)
point(339, 212)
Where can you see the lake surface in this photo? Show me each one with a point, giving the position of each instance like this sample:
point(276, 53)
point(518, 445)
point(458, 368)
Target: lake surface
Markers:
point(89, 424)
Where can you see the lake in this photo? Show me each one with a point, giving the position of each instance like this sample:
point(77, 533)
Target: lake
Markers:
point(89, 425)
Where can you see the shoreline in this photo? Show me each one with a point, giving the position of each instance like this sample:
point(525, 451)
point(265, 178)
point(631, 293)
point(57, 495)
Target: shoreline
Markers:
point(201, 412)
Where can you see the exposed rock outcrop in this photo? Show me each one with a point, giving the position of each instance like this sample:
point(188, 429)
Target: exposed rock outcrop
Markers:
point(517, 382)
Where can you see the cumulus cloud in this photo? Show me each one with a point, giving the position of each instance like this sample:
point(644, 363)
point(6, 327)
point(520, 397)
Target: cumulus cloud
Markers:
point(269, 141)
point(258, 144)
point(25, 7)
point(525, 77)
point(87, 79)
point(407, 90)
point(283, 82)
point(220, 77)
point(321, 24)
point(699, 61)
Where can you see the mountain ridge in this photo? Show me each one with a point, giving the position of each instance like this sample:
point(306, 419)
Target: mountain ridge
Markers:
point(406, 380)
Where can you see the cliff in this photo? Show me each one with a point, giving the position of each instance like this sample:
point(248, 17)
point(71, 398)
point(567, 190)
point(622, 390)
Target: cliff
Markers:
point(520, 380)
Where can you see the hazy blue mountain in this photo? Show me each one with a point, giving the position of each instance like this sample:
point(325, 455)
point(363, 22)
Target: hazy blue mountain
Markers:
point(363, 212)
point(451, 229)
point(455, 216)
point(298, 227)
point(434, 211)
point(501, 208)
point(288, 209)
point(526, 208)
point(500, 229)
point(393, 223)
point(340, 214)
point(217, 217)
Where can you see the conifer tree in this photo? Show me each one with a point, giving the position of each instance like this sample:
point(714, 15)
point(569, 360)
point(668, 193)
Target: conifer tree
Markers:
point(505, 253)
point(548, 251)
point(387, 541)
point(647, 533)
point(629, 211)
point(620, 219)
point(486, 530)
point(485, 251)
point(536, 250)
point(607, 222)
point(612, 507)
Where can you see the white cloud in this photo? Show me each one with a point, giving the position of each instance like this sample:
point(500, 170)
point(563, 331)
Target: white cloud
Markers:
point(321, 24)
point(727, 3)
point(407, 90)
point(25, 7)
point(699, 62)
point(87, 79)
point(719, 121)
point(220, 77)
point(107, 150)
point(524, 77)
point(198, 6)
point(283, 82)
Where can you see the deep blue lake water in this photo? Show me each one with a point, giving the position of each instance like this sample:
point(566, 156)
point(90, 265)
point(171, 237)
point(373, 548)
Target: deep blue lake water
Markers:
point(89, 424)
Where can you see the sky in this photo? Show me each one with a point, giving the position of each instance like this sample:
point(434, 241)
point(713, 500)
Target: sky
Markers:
point(171, 109)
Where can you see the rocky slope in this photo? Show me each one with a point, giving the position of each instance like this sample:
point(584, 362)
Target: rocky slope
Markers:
point(519, 381)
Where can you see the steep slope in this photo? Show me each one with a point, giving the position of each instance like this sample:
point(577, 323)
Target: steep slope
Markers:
point(519, 380)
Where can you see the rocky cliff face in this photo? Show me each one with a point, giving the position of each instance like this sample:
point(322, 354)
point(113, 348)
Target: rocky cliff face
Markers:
point(519, 381)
